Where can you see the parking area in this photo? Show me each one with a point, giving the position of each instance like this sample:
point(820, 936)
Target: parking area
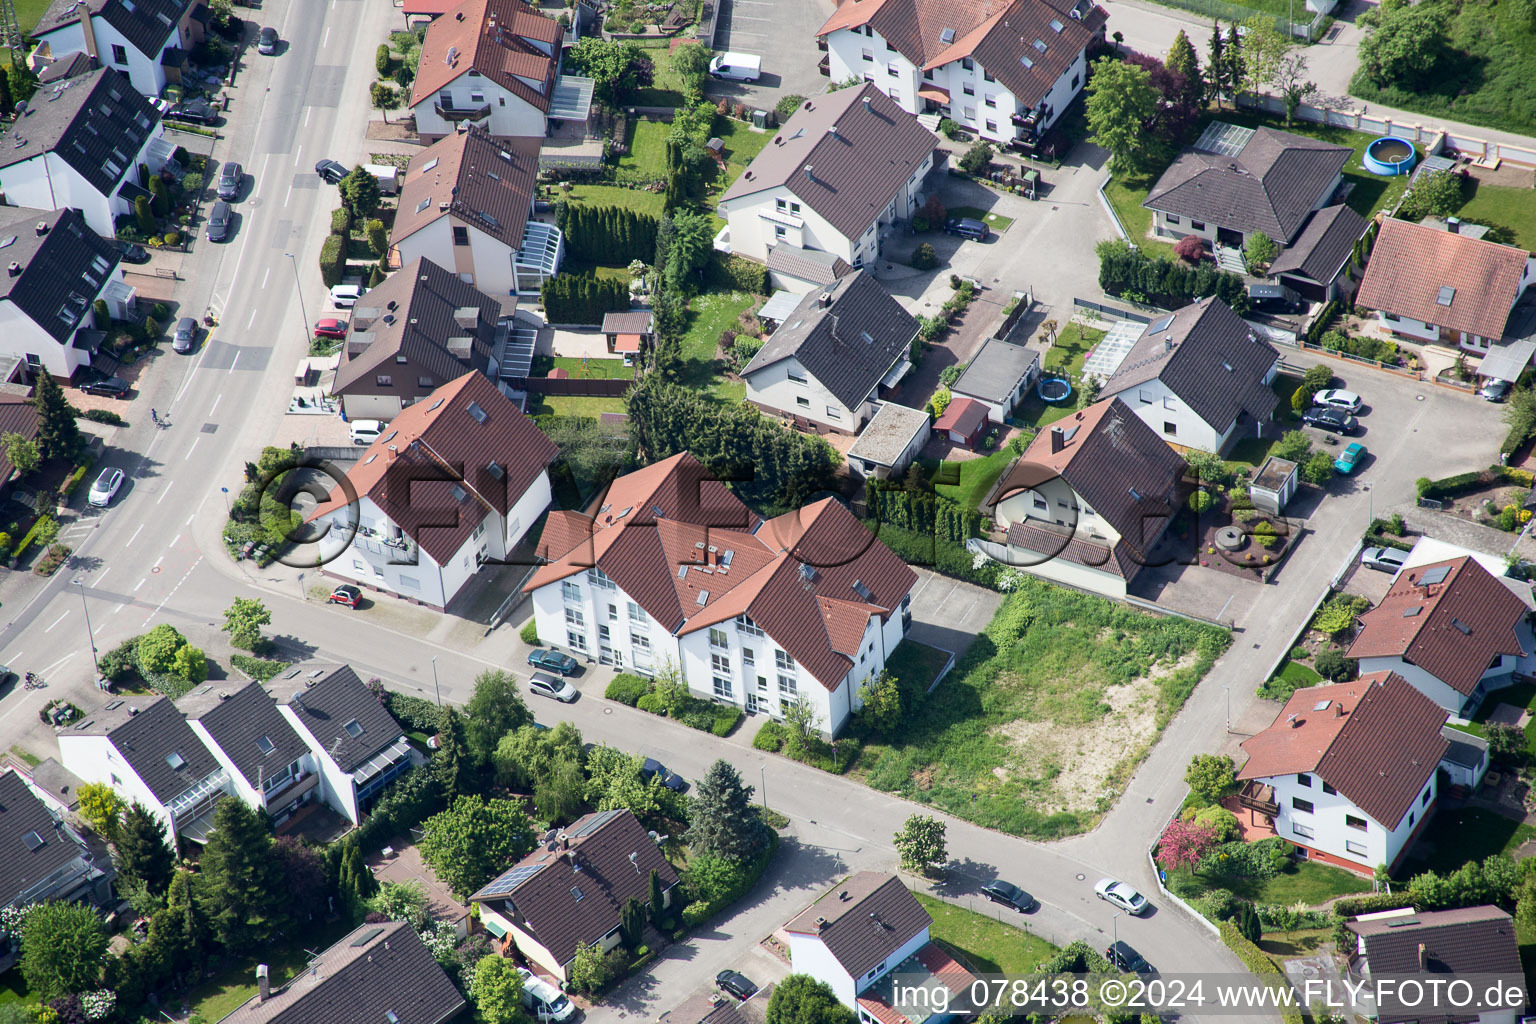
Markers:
point(947, 613)
point(790, 60)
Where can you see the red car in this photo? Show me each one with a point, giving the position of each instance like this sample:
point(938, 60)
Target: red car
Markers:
point(331, 328)
point(346, 594)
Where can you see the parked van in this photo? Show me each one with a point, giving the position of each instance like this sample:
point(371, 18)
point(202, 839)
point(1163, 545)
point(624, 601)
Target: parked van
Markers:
point(388, 177)
point(543, 1000)
point(738, 67)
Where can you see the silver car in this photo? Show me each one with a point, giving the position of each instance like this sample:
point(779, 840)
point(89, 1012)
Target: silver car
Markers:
point(1118, 894)
point(186, 335)
point(1384, 559)
point(106, 487)
point(545, 685)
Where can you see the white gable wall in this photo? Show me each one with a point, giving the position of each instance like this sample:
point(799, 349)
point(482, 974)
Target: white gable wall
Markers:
point(511, 115)
point(94, 759)
point(1324, 827)
point(771, 388)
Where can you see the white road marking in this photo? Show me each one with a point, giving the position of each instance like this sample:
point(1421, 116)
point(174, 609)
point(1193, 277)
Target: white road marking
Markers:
point(193, 448)
point(97, 581)
point(288, 195)
point(157, 562)
point(264, 276)
point(298, 154)
point(140, 584)
point(135, 535)
point(215, 403)
point(743, 17)
point(263, 179)
point(48, 669)
point(165, 492)
point(16, 656)
point(174, 540)
point(233, 361)
point(191, 517)
point(252, 321)
point(172, 594)
point(98, 629)
point(56, 621)
point(311, 110)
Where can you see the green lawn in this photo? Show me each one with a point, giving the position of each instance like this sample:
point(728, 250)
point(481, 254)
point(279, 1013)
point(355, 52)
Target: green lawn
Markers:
point(708, 316)
point(995, 221)
point(741, 144)
point(575, 266)
point(1293, 676)
point(1511, 210)
point(1455, 837)
point(13, 988)
point(915, 663)
point(1065, 357)
point(1125, 195)
point(576, 367)
point(1303, 882)
point(572, 405)
point(968, 481)
point(221, 994)
point(647, 156)
point(666, 90)
point(635, 199)
point(983, 943)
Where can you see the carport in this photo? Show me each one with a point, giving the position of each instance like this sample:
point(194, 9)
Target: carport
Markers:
point(1507, 359)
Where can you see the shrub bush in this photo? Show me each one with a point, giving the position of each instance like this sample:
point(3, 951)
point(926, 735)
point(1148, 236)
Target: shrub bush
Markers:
point(530, 634)
point(727, 717)
point(415, 714)
point(1258, 962)
point(627, 688)
point(1331, 664)
point(105, 416)
point(924, 257)
point(736, 273)
point(333, 260)
point(1263, 859)
point(49, 563)
point(652, 703)
point(1200, 501)
point(260, 669)
point(770, 736)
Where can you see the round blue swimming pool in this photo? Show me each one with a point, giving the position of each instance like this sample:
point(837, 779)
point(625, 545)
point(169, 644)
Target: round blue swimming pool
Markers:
point(1389, 156)
point(1054, 389)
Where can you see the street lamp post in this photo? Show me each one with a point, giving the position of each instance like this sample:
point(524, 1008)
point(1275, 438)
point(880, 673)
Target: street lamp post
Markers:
point(293, 262)
point(1115, 923)
point(1228, 688)
point(90, 635)
point(763, 775)
point(435, 685)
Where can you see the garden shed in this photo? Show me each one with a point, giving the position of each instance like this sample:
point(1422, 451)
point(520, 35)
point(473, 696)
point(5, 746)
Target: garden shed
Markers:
point(1273, 485)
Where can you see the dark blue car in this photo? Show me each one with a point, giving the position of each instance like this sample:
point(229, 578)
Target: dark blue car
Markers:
point(552, 661)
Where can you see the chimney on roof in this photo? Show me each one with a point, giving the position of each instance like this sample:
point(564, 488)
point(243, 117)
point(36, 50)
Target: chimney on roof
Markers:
point(263, 983)
point(42, 228)
point(1453, 225)
point(832, 130)
point(393, 451)
point(824, 299)
point(866, 101)
point(809, 176)
point(1338, 710)
point(14, 269)
point(821, 923)
point(1423, 957)
point(1058, 440)
point(467, 317)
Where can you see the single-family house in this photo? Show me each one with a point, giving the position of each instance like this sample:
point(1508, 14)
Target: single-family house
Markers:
point(56, 267)
point(998, 376)
point(420, 329)
point(1199, 377)
point(1451, 629)
point(1346, 772)
point(376, 972)
point(569, 891)
point(668, 567)
point(1444, 944)
point(80, 143)
point(629, 333)
point(455, 481)
point(835, 176)
point(799, 270)
point(825, 365)
point(1005, 69)
point(1427, 284)
point(496, 64)
point(41, 857)
point(1089, 499)
point(146, 751)
point(466, 205)
point(357, 745)
point(704, 1008)
point(1315, 266)
point(862, 934)
point(270, 766)
point(144, 40)
point(1235, 182)
point(890, 441)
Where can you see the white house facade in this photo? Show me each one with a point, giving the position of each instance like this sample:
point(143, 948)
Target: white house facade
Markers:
point(144, 40)
point(55, 268)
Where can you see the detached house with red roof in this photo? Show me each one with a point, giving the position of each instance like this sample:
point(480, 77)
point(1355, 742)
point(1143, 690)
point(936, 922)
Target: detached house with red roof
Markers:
point(1452, 629)
point(1005, 69)
point(455, 480)
point(1347, 772)
point(668, 567)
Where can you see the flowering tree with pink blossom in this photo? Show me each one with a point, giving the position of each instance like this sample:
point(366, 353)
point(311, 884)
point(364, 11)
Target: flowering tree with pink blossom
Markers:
point(1184, 843)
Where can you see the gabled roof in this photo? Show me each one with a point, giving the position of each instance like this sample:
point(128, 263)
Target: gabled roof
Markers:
point(847, 335)
point(483, 181)
point(1442, 278)
point(633, 322)
point(61, 271)
point(326, 699)
point(995, 370)
point(147, 24)
point(67, 66)
point(811, 265)
point(414, 316)
point(850, 176)
point(507, 41)
point(17, 416)
point(445, 462)
point(1270, 185)
point(247, 727)
point(1466, 941)
point(810, 579)
point(157, 743)
point(567, 893)
point(1449, 618)
point(1376, 740)
point(379, 973)
point(96, 122)
point(963, 416)
point(1206, 355)
point(863, 920)
point(1320, 251)
point(33, 843)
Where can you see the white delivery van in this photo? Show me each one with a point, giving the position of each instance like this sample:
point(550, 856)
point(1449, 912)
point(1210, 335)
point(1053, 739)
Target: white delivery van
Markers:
point(738, 67)
point(543, 1000)
point(388, 177)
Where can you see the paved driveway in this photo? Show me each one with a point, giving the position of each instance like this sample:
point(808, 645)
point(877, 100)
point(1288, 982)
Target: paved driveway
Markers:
point(779, 31)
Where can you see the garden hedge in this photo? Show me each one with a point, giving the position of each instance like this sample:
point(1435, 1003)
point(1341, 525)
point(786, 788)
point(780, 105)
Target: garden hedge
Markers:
point(1461, 483)
point(1257, 961)
point(260, 669)
point(609, 235)
point(627, 688)
point(582, 298)
point(333, 260)
point(736, 273)
point(415, 714)
point(922, 512)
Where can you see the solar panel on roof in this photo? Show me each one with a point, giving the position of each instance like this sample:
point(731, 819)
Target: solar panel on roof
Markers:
point(367, 937)
point(511, 880)
point(1435, 575)
point(1161, 325)
point(597, 821)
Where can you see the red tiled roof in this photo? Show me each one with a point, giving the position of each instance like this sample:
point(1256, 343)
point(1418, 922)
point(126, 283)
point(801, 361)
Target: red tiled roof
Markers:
point(1461, 623)
point(491, 37)
point(1410, 263)
point(963, 416)
point(626, 343)
point(1376, 740)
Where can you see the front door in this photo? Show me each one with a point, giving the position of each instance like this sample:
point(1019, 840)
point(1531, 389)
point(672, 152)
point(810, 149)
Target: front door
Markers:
point(751, 703)
point(1229, 238)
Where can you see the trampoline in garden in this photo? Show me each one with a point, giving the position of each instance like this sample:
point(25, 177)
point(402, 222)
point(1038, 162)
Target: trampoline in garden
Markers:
point(1054, 389)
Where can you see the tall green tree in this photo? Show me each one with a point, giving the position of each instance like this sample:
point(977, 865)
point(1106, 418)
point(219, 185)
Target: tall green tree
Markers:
point(142, 852)
point(474, 840)
point(632, 923)
point(22, 452)
point(360, 192)
point(1121, 100)
point(497, 991)
point(1216, 65)
point(384, 98)
point(243, 881)
point(454, 764)
point(1211, 776)
point(159, 198)
point(495, 709)
point(1406, 46)
point(1184, 61)
point(101, 808)
point(63, 946)
point(355, 884)
point(920, 843)
point(1234, 53)
point(144, 214)
point(1263, 47)
point(243, 621)
point(656, 898)
point(7, 104)
point(690, 63)
point(802, 999)
point(616, 68)
point(721, 822)
point(58, 435)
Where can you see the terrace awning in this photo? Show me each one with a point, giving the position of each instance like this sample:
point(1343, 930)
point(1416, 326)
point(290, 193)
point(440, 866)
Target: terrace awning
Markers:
point(1507, 359)
point(627, 343)
point(571, 99)
point(937, 93)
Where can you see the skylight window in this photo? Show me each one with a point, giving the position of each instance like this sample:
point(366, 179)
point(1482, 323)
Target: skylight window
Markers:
point(424, 204)
point(576, 892)
point(33, 840)
point(495, 470)
point(1024, 59)
point(1057, 25)
point(265, 744)
point(354, 728)
point(1447, 294)
point(1040, 45)
point(176, 761)
point(459, 493)
point(428, 165)
point(947, 36)
point(477, 412)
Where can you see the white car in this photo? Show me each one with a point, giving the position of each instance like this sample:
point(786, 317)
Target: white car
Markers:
point(1336, 398)
point(1120, 895)
point(365, 432)
point(545, 1000)
point(545, 685)
point(106, 487)
point(345, 296)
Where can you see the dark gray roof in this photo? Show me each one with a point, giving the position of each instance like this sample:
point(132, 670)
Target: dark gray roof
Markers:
point(146, 739)
point(863, 920)
point(147, 24)
point(61, 271)
point(1465, 941)
point(95, 122)
point(1207, 356)
point(426, 299)
point(811, 265)
point(1320, 251)
point(1270, 186)
point(68, 66)
point(994, 371)
point(21, 813)
point(59, 782)
point(1466, 750)
point(239, 722)
point(376, 974)
point(849, 343)
point(856, 172)
point(325, 698)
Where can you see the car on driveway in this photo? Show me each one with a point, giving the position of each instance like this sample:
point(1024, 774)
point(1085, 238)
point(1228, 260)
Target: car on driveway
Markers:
point(229, 181)
point(266, 43)
point(345, 296)
point(967, 227)
point(106, 487)
point(1384, 559)
point(331, 327)
point(736, 983)
point(1124, 958)
point(546, 1002)
point(110, 387)
point(330, 171)
point(132, 253)
point(365, 432)
point(1009, 895)
point(654, 768)
point(218, 221)
point(542, 684)
point(1495, 390)
point(552, 661)
point(1326, 417)
point(346, 594)
point(1352, 455)
point(186, 335)
point(195, 111)
point(1118, 894)
point(1337, 398)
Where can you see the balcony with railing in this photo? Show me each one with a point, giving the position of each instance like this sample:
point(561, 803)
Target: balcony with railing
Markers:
point(1256, 796)
point(457, 114)
point(199, 799)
